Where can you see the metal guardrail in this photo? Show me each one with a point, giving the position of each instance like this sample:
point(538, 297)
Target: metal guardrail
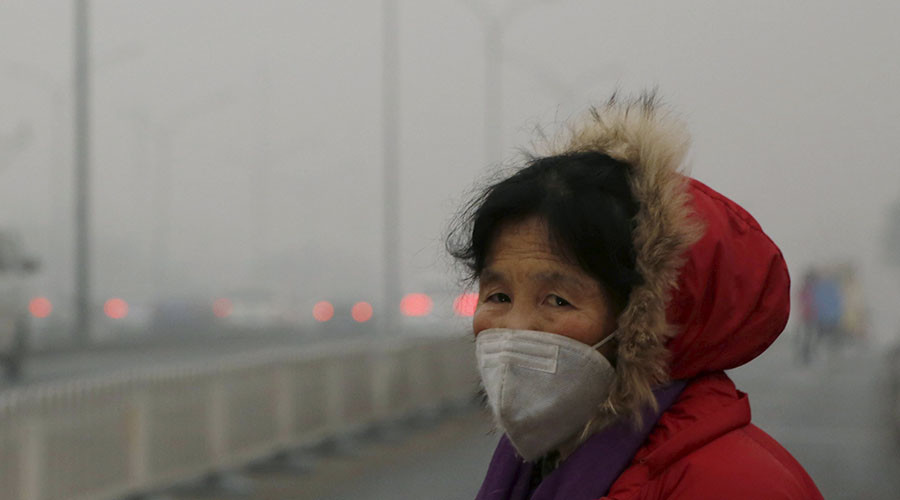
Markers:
point(111, 436)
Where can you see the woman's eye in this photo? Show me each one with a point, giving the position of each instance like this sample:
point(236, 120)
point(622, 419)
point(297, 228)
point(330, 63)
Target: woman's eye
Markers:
point(558, 301)
point(498, 297)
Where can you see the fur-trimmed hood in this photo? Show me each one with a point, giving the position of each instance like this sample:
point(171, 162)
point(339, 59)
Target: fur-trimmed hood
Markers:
point(716, 289)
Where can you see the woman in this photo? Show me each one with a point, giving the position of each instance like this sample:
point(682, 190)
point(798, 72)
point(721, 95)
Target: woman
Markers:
point(613, 292)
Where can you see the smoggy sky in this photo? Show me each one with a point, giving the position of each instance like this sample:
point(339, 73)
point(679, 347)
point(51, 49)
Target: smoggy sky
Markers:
point(267, 118)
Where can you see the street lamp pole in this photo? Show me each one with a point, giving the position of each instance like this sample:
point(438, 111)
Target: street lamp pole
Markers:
point(82, 174)
point(391, 151)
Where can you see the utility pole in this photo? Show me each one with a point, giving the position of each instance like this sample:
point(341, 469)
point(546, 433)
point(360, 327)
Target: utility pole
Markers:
point(391, 147)
point(261, 174)
point(82, 332)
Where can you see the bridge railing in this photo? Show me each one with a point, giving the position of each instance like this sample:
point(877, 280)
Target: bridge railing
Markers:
point(111, 436)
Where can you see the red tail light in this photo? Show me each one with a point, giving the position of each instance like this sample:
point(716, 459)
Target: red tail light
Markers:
point(465, 304)
point(323, 311)
point(416, 304)
point(361, 312)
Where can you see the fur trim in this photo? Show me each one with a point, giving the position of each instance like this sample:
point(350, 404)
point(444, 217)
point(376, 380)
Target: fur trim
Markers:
point(645, 135)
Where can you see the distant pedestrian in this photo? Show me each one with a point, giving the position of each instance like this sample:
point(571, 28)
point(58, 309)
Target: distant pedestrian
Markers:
point(828, 301)
point(613, 293)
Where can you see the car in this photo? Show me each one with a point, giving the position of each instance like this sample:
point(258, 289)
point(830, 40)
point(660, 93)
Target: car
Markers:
point(254, 311)
point(342, 317)
point(183, 316)
point(15, 269)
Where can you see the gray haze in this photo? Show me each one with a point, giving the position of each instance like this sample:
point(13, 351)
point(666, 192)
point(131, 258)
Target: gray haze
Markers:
point(268, 117)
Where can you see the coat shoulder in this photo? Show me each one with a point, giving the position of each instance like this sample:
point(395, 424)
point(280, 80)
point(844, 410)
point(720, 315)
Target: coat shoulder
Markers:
point(705, 446)
point(743, 464)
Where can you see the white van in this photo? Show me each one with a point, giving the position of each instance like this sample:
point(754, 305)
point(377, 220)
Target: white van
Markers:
point(15, 267)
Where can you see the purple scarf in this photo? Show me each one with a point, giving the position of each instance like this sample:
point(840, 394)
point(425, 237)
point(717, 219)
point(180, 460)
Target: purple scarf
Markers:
point(587, 473)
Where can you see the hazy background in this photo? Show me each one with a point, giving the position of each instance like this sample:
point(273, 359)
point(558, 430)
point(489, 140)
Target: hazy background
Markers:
point(237, 167)
point(249, 134)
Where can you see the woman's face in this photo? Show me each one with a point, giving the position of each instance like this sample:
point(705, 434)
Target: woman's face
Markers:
point(525, 285)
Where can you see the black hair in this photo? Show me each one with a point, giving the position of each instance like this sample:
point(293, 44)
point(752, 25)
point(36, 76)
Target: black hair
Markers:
point(586, 201)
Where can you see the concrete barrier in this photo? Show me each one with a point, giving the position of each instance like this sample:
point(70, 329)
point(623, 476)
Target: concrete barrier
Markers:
point(121, 434)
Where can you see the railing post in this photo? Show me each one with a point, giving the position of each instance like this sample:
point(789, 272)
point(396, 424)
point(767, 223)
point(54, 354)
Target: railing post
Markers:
point(32, 459)
point(334, 397)
point(218, 423)
point(381, 381)
point(137, 420)
point(284, 404)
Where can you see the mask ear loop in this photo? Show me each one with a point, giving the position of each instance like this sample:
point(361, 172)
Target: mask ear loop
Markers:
point(587, 428)
point(605, 340)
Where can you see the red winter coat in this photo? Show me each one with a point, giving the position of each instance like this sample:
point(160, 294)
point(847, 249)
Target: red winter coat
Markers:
point(733, 300)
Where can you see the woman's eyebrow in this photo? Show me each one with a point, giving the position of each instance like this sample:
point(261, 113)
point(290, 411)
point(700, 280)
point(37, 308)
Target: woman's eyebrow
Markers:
point(489, 275)
point(561, 278)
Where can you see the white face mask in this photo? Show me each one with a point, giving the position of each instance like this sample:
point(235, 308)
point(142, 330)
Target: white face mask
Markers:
point(543, 388)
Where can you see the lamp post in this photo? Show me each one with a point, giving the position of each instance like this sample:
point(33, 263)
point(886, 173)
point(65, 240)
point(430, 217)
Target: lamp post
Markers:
point(391, 151)
point(82, 66)
point(82, 179)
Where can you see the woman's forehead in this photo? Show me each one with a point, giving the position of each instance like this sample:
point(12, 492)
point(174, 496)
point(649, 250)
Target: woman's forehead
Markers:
point(525, 239)
point(529, 234)
point(524, 250)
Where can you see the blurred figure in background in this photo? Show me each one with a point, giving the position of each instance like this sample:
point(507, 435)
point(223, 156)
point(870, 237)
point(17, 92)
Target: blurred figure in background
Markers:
point(832, 310)
point(613, 293)
point(828, 302)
